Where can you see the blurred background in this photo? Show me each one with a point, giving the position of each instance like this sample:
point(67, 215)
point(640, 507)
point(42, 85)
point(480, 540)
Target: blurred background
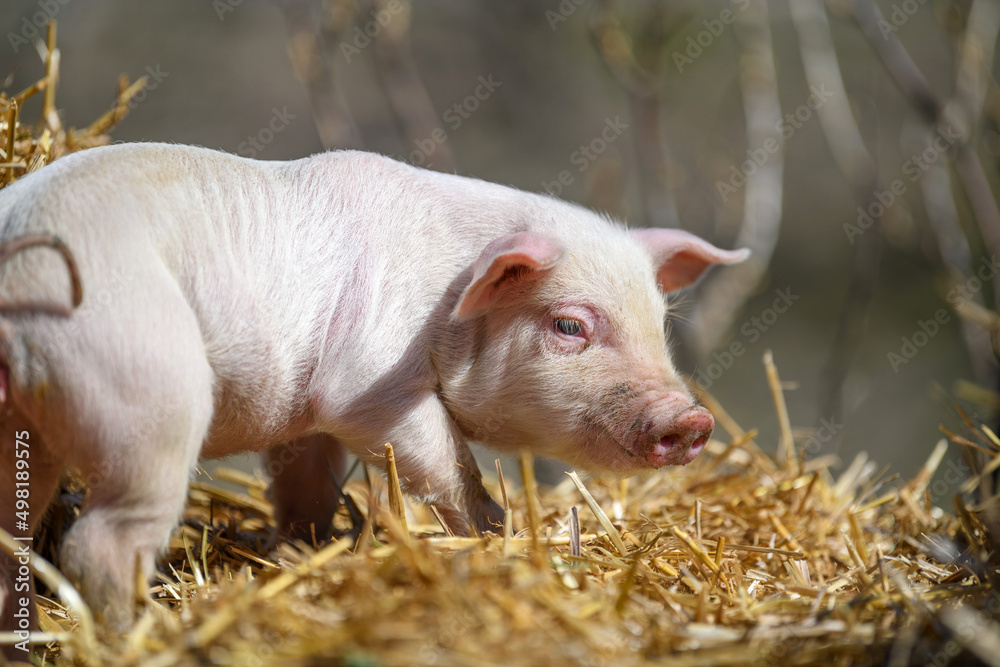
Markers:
point(853, 146)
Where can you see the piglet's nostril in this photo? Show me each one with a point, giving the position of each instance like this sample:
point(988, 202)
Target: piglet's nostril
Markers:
point(679, 425)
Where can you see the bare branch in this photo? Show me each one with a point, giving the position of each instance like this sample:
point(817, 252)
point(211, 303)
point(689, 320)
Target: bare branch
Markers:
point(724, 297)
point(855, 163)
point(312, 67)
point(979, 39)
point(644, 90)
point(411, 105)
point(953, 247)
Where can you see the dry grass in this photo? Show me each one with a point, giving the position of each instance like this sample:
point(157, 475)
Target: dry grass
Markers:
point(27, 148)
point(741, 557)
point(735, 559)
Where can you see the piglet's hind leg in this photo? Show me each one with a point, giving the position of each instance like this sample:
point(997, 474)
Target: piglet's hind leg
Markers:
point(305, 474)
point(144, 436)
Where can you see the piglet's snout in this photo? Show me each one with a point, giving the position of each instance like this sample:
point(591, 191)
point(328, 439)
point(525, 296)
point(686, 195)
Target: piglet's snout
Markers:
point(678, 432)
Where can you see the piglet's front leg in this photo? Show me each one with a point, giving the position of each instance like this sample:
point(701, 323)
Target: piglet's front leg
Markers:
point(477, 508)
point(436, 466)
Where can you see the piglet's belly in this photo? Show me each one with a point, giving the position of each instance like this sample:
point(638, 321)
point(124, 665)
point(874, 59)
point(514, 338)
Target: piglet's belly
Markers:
point(236, 429)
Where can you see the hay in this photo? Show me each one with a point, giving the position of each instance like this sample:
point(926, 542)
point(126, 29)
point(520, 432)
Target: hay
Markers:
point(735, 559)
point(27, 148)
point(739, 558)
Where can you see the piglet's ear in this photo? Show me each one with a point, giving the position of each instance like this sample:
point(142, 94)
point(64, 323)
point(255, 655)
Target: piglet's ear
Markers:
point(681, 257)
point(500, 261)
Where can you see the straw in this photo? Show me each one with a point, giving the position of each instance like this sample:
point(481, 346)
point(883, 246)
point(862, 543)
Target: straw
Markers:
point(396, 503)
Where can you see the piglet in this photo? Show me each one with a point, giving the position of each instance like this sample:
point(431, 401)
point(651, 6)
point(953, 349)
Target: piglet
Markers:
point(312, 308)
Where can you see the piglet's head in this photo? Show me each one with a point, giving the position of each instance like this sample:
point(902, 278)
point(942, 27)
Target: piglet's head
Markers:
point(558, 345)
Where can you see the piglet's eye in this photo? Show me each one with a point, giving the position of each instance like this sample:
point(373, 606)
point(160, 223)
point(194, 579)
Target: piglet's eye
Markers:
point(569, 327)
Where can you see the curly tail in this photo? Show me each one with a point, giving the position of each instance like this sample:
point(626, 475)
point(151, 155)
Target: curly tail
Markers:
point(13, 246)
point(10, 248)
